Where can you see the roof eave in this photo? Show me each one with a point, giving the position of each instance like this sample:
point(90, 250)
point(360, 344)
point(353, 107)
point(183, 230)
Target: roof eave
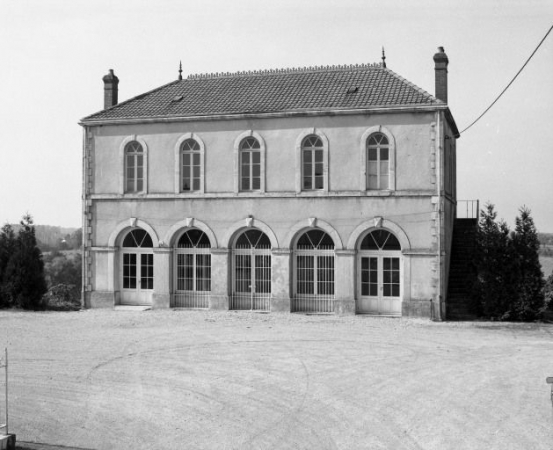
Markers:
point(252, 115)
point(136, 97)
point(452, 124)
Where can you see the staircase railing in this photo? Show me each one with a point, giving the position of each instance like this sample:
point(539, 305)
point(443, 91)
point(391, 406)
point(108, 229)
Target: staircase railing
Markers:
point(468, 209)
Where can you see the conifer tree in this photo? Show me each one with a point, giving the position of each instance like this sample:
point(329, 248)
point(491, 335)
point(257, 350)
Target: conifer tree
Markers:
point(530, 298)
point(7, 249)
point(24, 276)
point(494, 286)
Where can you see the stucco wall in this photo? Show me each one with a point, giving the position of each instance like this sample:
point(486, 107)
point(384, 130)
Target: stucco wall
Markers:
point(344, 214)
point(422, 282)
point(449, 191)
point(410, 132)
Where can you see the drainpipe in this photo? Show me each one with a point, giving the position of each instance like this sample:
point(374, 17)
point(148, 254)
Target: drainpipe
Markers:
point(439, 221)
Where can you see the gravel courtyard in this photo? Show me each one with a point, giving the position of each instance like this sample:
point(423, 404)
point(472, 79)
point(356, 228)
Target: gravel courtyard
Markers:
point(238, 380)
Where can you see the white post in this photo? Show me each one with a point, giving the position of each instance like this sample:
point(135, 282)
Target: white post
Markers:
point(5, 365)
point(6, 351)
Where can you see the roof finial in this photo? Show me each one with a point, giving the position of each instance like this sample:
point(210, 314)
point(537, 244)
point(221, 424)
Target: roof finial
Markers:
point(180, 70)
point(383, 58)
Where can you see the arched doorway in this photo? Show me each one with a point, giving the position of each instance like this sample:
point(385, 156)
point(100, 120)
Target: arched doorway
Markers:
point(251, 271)
point(379, 276)
point(192, 265)
point(137, 268)
point(314, 273)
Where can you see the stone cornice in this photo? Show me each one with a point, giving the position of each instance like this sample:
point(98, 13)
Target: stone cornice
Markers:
point(249, 116)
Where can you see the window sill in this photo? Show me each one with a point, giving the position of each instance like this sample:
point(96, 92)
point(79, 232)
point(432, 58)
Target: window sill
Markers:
point(260, 194)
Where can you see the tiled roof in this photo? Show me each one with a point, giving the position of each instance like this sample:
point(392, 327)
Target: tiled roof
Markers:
point(273, 91)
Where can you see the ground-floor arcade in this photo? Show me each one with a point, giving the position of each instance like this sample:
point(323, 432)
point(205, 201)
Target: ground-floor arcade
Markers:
point(247, 268)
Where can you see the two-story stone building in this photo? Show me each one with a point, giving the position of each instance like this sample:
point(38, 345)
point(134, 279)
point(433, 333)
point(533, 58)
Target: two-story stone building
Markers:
point(325, 189)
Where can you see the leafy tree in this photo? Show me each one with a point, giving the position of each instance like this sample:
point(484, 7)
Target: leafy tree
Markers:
point(62, 269)
point(24, 275)
point(529, 277)
point(76, 238)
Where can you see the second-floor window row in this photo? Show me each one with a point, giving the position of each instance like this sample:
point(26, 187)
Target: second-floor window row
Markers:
point(313, 162)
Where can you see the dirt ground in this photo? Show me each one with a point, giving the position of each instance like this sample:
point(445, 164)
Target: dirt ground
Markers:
point(238, 380)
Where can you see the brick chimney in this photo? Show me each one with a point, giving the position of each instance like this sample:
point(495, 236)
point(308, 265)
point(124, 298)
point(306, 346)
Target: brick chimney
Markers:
point(110, 89)
point(440, 67)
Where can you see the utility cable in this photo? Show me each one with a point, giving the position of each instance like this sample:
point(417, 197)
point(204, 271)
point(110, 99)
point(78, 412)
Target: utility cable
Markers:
point(515, 77)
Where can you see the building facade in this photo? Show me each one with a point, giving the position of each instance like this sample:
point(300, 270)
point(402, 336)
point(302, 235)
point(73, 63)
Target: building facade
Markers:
point(327, 189)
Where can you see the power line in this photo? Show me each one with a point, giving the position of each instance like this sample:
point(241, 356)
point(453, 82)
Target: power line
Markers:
point(515, 77)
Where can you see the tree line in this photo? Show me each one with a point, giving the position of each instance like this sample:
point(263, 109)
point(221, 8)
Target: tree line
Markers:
point(546, 239)
point(29, 280)
point(51, 238)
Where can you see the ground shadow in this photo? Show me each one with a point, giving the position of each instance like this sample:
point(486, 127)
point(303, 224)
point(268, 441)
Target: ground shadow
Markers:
point(42, 446)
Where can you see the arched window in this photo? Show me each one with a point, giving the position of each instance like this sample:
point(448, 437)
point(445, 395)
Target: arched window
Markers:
point(250, 164)
point(314, 272)
point(137, 268)
point(134, 167)
point(191, 166)
point(379, 266)
point(380, 240)
point(193, 270)
point(251, 271)
point(312, 157)
point(138, 238)
point(253, 238)
point(378, 162)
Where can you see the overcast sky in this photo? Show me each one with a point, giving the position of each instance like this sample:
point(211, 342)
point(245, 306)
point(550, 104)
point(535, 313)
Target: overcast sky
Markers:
point(54, 54)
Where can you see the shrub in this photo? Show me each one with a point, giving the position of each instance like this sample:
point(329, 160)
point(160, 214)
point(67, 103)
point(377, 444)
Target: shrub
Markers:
point(61, 297)
point(60, 268)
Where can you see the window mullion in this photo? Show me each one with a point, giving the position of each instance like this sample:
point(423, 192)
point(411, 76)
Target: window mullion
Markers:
point(378, 180)
point(380, 268)
point(134, 173)
point(315, 275)
point(252, 274)
point(183, 178)
point(251, 170)
point(313, 168)
point(193, 270)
